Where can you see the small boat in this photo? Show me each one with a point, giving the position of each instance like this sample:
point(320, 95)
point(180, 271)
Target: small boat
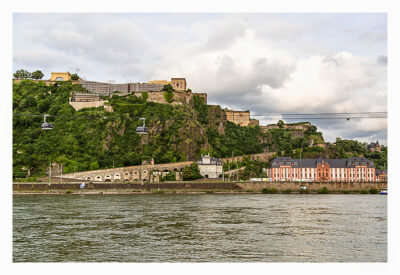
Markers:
point(383, 192)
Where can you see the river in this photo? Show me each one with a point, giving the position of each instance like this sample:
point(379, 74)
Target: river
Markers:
point(200, 228)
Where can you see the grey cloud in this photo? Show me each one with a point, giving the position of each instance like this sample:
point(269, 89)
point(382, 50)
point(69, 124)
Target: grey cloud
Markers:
point(223, 35)
point(115, 47)
point(270, 74)
point(373, 36)
point(382, 60)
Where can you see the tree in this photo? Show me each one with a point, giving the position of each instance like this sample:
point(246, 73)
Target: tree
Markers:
point(191, 172)
point(169, 96)
point(74, 77)
point(22, 74)
point(170, 176)
point(94, 165)
point(168, 88)
point(145, 96)
point(37, 74)
point(280, 124)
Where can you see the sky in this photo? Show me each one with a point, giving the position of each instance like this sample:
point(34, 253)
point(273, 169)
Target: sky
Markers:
point(268, 63)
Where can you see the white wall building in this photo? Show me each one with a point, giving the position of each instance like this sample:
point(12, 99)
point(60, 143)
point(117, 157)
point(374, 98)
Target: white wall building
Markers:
point(210, 167)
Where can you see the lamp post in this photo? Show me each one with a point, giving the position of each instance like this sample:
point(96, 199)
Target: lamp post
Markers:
point(301, 173)
point(50, 172)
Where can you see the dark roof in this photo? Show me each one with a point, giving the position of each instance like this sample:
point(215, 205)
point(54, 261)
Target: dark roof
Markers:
point(380, 171)
point(312, 163)
point(373, 145)
point(337, 163)
point(360, 161)
point(213, 161)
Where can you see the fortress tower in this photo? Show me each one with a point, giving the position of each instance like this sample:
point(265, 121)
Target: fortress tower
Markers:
point(179, 84)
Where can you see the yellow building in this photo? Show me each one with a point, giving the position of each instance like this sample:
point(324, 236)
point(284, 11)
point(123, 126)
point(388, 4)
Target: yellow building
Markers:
point(241, 118)
point(60, 76)
point(164, 82)
point(178, 84)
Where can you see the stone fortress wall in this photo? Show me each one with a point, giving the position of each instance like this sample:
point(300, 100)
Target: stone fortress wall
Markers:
point(85, 100)
point(296, 126)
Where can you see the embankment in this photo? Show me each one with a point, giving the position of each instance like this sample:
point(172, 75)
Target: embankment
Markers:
point(192, 187)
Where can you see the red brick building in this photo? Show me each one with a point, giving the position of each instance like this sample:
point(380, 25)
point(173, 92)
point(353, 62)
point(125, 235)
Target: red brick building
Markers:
point(355, 169)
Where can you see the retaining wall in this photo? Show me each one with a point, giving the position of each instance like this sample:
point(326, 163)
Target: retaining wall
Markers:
point(232, 186)
point(313, 186)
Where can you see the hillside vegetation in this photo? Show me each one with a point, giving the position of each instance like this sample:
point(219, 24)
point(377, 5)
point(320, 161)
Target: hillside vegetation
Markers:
point(93, 138)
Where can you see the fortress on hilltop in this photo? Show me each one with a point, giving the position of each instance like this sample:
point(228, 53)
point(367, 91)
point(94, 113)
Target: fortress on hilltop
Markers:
point(153, 88)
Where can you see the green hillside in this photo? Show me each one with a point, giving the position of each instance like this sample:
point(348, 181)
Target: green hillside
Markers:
point(93, 138)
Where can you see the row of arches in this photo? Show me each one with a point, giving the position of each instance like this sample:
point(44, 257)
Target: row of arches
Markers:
point(134, 175)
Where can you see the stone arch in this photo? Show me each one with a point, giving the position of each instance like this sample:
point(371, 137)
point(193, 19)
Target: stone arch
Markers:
point(89, 178)
point(117, 176)
point(126, 180)
point(59, 78)
point(107, 178)
point(135, 175)
point(206, 176)
point(98, 178)
point(176, 170)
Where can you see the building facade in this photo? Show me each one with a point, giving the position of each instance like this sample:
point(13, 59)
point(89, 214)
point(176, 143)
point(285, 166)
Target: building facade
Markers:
point(60, 76)
point(374, 147)
point(210, 167)
point(355, 169)
point(87, 100)
point(241, 118)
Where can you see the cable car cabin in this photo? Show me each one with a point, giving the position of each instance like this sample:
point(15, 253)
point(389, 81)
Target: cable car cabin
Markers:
point(142, 130)
point(47, 126)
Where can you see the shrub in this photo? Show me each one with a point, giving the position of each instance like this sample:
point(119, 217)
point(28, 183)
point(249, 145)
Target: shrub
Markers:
point(304, 191)
point(269, 190)
point(373, 191)
point(287, 191)
point(363, 191)
point(345, 192)
point(171, 176)
point(209, 191)
point(68, 192)
point(145, 96)
point(323, 190)
point(74, 77)
point(169, 96)
point(273, 190)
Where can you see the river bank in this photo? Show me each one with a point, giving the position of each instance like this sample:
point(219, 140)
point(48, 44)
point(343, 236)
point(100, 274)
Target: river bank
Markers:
point(199, 188)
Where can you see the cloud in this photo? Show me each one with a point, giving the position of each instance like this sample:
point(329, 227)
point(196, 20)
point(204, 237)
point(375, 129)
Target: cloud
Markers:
point(265, 64)
point(382, 60)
